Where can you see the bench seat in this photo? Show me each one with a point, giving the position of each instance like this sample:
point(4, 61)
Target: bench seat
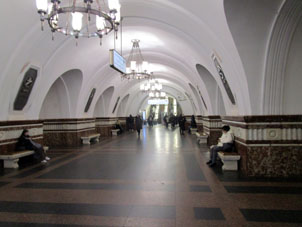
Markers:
point(193, 131)
point(201, 138)
point(115, 132)
point(11, 160)
point(86, 139)
point(229, 160)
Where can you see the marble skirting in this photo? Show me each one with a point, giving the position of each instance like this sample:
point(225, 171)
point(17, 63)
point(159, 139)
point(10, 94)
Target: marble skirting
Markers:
point(105, 125)
point(104, 130)
point(67, 132)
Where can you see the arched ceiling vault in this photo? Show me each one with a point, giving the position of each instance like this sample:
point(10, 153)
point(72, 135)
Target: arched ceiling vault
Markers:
point(168, 39)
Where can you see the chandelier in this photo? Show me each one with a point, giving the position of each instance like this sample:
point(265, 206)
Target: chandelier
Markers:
point(157, 94)
point(136, 66)
point(67, 17)
point(151, 86)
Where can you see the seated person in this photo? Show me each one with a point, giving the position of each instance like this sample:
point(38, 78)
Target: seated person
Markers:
point(118, 126)
point(26, 143)
point(225, 143)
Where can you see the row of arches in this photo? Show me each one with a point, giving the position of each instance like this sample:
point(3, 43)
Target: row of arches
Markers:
point(62, 98)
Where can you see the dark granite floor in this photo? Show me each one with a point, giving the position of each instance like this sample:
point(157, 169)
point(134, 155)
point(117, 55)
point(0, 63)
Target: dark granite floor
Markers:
point(160, 179)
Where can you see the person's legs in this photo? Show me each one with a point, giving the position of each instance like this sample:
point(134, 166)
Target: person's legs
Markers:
point(214, 154)
point(211, 154)
point(39, 153)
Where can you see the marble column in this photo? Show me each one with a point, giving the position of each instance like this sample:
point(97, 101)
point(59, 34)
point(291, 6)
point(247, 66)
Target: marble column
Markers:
point(199, 123)
point(270, 146)
point(212, 127)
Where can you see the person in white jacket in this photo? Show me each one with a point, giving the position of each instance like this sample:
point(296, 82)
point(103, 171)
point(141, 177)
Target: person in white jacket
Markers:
point(225, 143)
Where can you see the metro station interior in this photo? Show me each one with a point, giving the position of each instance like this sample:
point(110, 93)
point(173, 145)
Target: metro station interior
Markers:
point(112, 113)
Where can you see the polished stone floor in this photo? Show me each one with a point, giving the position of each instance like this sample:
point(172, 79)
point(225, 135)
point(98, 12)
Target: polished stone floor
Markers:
point(159, 179)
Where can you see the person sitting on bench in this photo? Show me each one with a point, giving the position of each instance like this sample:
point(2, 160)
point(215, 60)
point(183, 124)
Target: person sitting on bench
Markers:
point(26, 143)
point(225, 143)
point(119, 126)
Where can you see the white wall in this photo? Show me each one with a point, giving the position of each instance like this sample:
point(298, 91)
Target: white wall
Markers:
point(292, 103)
point(102, 105)
point(56, 103)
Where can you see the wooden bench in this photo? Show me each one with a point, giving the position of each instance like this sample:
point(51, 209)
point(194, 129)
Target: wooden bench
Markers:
point(229, 160)
point(201, 138)
point(11, 160)
point(193, 131)
point(115, 132)
point(86, 139)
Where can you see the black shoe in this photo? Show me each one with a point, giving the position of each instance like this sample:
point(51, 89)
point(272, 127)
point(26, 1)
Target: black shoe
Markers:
point(209, 162)
point(213, 164)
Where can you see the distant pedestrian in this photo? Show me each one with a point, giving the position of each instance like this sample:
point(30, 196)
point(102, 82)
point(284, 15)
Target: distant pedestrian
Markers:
point(182, 124)
point(139, 124)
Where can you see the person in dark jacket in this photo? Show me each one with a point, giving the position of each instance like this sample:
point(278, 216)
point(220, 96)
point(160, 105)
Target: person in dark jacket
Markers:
point(131, 122)
point(139, 124)
point(182, 124)
point(119, 126)
point(166, 121)
point(26, 143)
point(193, 123)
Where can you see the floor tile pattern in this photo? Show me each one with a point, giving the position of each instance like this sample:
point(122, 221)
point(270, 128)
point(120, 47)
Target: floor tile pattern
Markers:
point(158, 179)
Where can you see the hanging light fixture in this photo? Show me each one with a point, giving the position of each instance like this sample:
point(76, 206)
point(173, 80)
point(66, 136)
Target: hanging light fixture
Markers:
point(152, 85)
point(70, 17)
point(137, 67)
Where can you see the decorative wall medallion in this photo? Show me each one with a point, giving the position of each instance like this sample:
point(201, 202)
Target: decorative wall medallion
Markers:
point(25, 89)
point(90, 100)
point(224, 81)
point(273, 134)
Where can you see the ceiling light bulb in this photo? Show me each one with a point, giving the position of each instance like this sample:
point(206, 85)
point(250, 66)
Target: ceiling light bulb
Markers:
point(145, 66)
point(42, 5)
point(133, 65)
point(100, 23)
point(49, 8)
point(113, 4)
point(118, 14)
point(77, 21)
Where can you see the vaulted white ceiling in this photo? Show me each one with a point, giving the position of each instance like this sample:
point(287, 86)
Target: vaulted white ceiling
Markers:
point(175, 36)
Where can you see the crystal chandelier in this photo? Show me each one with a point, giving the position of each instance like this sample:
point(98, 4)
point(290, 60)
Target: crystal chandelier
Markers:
point(68, 16)
point(151, 86)
point(136, 66)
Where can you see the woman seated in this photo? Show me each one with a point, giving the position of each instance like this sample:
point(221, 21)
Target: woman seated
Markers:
point(225, 143)
point(26, 143)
